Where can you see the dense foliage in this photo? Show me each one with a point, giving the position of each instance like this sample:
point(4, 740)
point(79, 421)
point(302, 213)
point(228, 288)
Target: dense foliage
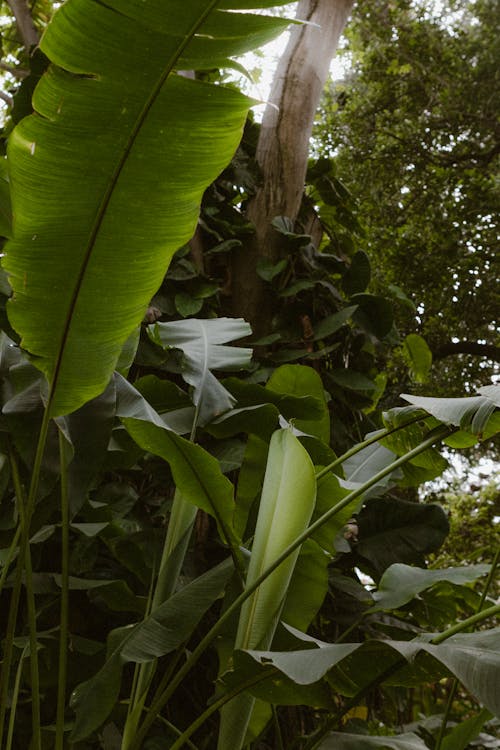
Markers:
point(414, 132)
point(205, 543)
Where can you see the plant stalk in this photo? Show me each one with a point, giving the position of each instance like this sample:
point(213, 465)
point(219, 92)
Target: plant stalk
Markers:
point(63, 624)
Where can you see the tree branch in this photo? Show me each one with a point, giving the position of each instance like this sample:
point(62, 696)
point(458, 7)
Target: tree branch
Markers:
point(13, 71)
point(6, 98)
point(24, 22)
point(490, 351)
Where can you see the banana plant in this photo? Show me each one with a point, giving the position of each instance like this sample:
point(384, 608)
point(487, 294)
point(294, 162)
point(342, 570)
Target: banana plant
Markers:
point(106, 180)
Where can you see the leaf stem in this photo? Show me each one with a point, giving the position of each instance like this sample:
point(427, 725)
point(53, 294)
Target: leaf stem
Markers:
point(216, 705)
point(378, 435)
point(63, 624)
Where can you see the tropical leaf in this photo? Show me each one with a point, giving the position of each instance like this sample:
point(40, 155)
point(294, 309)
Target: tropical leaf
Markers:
point(286, 506)
point(463, 734)
point(202, 343)
point(345, 741)
point(471, 414)
point(299, 380)
point(158, 634)
point(401, 583)
point(108, 174)
point(474, 658)
point(418, 357)
point(393, 530)
point(196, 473)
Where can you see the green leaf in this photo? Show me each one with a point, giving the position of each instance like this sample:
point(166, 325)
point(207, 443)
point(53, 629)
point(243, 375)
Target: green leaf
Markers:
point(418, 357)
point(158, 634)
point(374, 314)
point(401, 583)
point(290, 406)
point(5, 205)
point(187, 305)
point(331, 324)
point(267, 270)
point(471, 414)
point(261, 420)
point(393, 530)
point(462, 735)
point(474, 659)
point(203, 345)
point(358, 275)
point(308, 586)
point(196, 473)
point(352, 380)
point(286, 506)
point(345, 741)
point(299, 380)
point(108, 174)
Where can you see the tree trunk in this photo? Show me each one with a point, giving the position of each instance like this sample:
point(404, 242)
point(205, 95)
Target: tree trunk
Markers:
point(282, 150)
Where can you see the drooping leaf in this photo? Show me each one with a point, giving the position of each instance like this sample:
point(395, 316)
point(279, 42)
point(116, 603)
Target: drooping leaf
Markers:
point(474, 659)
point(401, 583)
point(345, 741)
point(204, 347)
point(158, 634)
point(107, 176)
point(418, 357)
point(393, 530)
point(471, 414)
point(196, 473)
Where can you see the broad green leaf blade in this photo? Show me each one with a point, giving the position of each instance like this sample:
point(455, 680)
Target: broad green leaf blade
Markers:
point(308, 586)
point(299, 380)
point(418, 357)
point(203, 344)
point(401, 583)
point(393, 530)
point(345, 741)
point(474, 659)
point(461, 735)
point(196, 473)
point(107, 177)
point(471, 414)
point(158, 634)
point(294, 405)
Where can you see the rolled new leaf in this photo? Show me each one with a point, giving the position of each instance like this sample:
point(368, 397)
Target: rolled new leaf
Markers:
point(286, 506)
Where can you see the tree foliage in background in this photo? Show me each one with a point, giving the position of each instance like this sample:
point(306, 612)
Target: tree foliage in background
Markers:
point(414, 133)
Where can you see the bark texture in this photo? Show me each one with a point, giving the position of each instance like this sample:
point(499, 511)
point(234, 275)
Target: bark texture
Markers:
point(282, 150)
point(24, 23)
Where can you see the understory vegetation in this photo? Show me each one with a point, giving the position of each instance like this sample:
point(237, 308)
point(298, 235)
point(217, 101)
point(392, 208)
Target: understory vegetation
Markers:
point(211, 538)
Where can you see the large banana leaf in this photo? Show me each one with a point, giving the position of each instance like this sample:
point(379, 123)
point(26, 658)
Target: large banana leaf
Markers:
point(108, 175)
